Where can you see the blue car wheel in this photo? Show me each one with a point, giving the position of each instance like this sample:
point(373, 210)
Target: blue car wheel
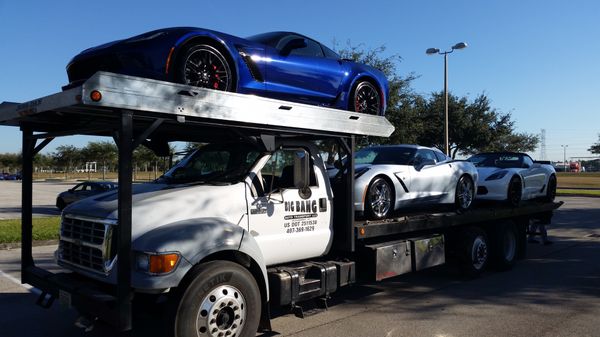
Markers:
point(366, 99)
point(205, 66)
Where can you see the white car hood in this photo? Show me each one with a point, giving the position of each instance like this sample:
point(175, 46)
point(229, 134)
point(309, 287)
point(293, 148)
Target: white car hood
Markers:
point(155, 205)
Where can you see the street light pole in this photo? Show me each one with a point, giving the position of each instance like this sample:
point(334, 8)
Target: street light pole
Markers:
point(446, 139)
point(565, 156)
point(431, 51)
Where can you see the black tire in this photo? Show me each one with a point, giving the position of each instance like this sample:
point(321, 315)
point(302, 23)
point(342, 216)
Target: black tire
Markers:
point(205, 66)
point(474, 252)
point(515, 192)
point(219, 296)
point(505, 247)
point(379, 201)
point(60, 204)
point(365, 98)
point(551, 189)
point(464, 193)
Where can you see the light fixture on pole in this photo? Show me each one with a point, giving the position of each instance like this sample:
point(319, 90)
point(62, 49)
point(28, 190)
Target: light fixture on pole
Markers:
point(431, 51)
point(565, 156)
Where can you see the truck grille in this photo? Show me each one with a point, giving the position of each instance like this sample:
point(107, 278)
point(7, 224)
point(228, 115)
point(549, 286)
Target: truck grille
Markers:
point(86, 243)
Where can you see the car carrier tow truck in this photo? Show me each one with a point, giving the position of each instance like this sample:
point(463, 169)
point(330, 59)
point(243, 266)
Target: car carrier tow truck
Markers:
point(222, 249)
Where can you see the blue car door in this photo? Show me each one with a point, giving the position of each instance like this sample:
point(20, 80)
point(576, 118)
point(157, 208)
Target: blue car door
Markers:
point(302, 72)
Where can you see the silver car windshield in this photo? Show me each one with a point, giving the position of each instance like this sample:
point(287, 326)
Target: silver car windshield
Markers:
point(397, 155)
point(213, 164)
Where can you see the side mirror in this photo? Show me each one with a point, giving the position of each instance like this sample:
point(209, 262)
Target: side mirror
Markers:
point(293, 44)
point(301, 173)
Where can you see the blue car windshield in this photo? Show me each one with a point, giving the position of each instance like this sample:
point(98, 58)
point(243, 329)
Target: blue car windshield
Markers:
point(223, 163)
point(396, 155)
point(270, 39)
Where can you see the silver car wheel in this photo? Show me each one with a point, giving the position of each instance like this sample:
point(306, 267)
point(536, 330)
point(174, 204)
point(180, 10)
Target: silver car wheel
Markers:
point(380, 198)
point(222, 313)
point(465, 192)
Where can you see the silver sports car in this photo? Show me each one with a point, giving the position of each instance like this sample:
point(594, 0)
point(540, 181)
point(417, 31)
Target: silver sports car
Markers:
point(395, 176)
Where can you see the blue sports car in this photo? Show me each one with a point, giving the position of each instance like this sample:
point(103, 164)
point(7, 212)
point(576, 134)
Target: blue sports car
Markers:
point(280, 65)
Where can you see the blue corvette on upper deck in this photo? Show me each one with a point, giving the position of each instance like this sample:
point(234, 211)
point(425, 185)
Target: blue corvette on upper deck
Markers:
point(280, 65)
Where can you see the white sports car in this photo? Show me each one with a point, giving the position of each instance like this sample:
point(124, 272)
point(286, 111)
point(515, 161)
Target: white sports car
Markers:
point(512, 177)
point(390, 177)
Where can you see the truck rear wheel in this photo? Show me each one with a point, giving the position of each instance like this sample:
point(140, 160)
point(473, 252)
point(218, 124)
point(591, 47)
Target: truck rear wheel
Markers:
point(221, 299)
point(505, 246)
point(475, 252)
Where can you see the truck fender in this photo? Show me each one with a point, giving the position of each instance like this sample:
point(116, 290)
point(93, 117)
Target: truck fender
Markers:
point(196, 239)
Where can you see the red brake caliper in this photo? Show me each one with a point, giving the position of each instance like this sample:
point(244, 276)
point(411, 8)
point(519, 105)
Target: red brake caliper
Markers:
point(216, 83)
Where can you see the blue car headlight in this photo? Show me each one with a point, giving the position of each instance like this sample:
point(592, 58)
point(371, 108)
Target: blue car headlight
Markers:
point(497, 175)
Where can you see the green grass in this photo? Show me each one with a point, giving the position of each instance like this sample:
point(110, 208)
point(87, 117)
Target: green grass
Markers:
point(45, 228)
point(583, 179)
point(578, 192)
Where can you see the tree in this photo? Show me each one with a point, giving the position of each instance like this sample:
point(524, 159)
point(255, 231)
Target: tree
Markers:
point(595, 148)
point(67, 156)
point(103, 151)
point(401, 100)
point(474, 126)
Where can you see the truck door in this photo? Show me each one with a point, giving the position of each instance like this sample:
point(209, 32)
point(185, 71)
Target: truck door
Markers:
point(286, 225)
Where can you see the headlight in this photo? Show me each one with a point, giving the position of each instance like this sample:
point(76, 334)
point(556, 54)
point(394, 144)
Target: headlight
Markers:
point(497, 175)
point(156, 263)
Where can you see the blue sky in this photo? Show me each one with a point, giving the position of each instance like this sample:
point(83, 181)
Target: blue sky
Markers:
point(534, 59)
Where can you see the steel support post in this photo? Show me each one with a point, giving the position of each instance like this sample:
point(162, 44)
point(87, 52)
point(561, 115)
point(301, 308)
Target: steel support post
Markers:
point(124, 293)
point(350, 196)
point(26, 202)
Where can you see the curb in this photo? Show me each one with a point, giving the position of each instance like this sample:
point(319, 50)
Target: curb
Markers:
point(15, 245)
point(577, 195)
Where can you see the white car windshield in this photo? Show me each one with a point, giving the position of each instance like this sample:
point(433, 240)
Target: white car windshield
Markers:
point(502, 160)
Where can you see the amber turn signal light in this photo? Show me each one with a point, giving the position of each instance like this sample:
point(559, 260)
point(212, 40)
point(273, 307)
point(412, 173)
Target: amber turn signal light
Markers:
point(96, 96)
point(163, 263)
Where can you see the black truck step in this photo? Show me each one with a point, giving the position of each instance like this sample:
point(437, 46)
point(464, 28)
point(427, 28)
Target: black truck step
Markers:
point(307, 280)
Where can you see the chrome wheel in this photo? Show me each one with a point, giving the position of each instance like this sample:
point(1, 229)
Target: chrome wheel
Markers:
point(222, 313)
point(367, 99)
point(465, 191)
point(379, 198)
point(479, 252)
point(204, 66)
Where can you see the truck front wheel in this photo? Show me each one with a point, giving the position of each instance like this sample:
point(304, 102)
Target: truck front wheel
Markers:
point(221, 299)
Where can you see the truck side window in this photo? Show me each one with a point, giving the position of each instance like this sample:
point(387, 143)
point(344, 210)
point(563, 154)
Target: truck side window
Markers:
point(278, 172)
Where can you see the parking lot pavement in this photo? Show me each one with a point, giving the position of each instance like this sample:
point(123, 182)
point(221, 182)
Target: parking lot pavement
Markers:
point(44, 198)
point(554, 292)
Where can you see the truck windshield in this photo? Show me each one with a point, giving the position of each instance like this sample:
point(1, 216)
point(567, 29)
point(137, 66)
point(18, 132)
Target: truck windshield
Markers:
point(212, 163)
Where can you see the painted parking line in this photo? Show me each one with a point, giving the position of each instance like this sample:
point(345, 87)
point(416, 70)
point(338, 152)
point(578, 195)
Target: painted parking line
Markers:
point(17, 281)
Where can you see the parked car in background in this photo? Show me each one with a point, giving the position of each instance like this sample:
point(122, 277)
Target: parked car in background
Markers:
point(10, 176)
point(281, 65)
point(512, 177)
point(82, 191)
point(394, 176)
